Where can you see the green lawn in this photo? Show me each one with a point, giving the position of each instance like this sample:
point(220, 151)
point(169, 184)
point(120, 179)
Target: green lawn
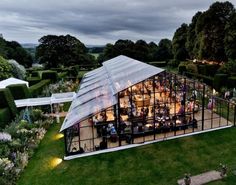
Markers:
point(160, 164)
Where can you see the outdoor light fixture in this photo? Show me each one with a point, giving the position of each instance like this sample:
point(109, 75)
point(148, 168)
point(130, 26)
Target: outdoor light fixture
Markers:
point(58, 136)
point(55, 162)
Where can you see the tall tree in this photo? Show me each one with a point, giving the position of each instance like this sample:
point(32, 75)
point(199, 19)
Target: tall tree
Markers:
point(230, 38)
point(191, 44)
point(13, 50)
point(179, 42)
point(210, 28)
point(164, 51)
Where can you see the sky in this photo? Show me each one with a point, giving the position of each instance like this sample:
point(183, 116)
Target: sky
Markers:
point(96, 22)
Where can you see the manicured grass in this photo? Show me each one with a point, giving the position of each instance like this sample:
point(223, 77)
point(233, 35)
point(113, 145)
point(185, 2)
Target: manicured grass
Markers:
point(160, 164)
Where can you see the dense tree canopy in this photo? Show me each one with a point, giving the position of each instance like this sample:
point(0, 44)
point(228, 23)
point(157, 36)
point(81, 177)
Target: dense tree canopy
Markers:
point(6, 70)
point(139, 50)
point(13, 50)
point(54, 51)
point(179, 43)
point(230, 38)
point(210, 35)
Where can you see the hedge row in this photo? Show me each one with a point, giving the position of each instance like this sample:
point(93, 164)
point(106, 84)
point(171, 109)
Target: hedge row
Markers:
point(37, 76)
point(8, 108)
point(5, 117)
point(19, 91)
point(36, 89)
point(206, 79)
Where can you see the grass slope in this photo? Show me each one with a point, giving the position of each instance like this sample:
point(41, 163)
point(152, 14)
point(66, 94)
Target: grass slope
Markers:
point(160, 164)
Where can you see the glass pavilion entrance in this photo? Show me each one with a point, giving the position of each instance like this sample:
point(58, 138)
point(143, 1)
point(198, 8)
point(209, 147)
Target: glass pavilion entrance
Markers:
point(160, 106)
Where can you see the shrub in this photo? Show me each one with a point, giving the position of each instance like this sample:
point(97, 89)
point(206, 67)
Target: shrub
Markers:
point(18, 70)
point(220, 80)
point(211, 69)
point(232, 82)
point(52, 75)
point(6, 100)
point(182, 68)
point(62, 75)
point(173, 63)
point(5, 116)
point(5, 69)
point(206, 79)
point(19, 91)
point(33, 80)
point(191, 68)
point(36, 89)
point(202, 69)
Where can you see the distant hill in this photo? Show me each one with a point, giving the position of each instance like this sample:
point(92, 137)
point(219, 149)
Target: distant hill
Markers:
point(29, 45)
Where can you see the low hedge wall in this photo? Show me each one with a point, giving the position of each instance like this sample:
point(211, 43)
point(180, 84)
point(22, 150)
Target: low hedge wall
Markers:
point(19, 91)
point(6, 100)
point(5, 117)
point(206, 79)
point(52, 75)
point(33, 80)
point(232, 82)
point(36, 89)
point(220, 80)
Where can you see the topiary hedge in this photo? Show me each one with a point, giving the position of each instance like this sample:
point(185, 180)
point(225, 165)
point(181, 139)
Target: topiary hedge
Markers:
point(33, 80)
point(36, 89)
point(220, 80)
point(19, 91)
point(52, 75)
point(6, 100)
point(5, 117)
point(232, 82)
point(202, 69)
point(182, 68)
point(206, 79)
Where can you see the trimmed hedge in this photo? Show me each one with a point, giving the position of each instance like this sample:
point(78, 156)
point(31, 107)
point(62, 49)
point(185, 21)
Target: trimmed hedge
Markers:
point(33, 80)
point(62, 75)
point(220, 80)
point(52, 75)
point(206, 79)
point(6, 100)
point(202, 69)
point(158, 63)
point(232, 82)
point(19, 91)
point(182, 68)
point(5, 117)
point(36, 89)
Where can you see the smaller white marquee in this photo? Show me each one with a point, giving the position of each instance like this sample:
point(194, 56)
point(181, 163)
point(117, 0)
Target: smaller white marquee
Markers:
point(11, 81)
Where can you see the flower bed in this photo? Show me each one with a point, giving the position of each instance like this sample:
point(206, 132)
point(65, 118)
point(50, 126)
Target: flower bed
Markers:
point(18, 142)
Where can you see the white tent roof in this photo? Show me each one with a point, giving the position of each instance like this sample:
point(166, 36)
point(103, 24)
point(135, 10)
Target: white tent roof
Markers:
point(55, 98)
point(99, 88)
point(11, 81)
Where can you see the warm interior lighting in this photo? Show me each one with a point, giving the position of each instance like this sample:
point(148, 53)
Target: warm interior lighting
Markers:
point(58, 136)
point(55, 162)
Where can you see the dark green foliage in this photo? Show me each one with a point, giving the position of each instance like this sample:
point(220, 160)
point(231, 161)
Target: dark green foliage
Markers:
point(191, 45)
point(62, 50)
point(182, 68)
point(158, 63)
point(36, 89)
point(62, 75)
point(178, 43)
point(5, 117)
point(52, 75)
point(220, 80)
point(232, 82)
point(33, 80)
point(211, 69)
point(202, 69)
point(19, 91)
point(192, 68)
point(139, 50)
point(6, 70)
point(6, 100)
point(13, 50)
point(205, 79)
point(164, 50)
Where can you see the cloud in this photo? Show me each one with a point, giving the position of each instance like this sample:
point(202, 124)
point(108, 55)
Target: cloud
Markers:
point(96, 22)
